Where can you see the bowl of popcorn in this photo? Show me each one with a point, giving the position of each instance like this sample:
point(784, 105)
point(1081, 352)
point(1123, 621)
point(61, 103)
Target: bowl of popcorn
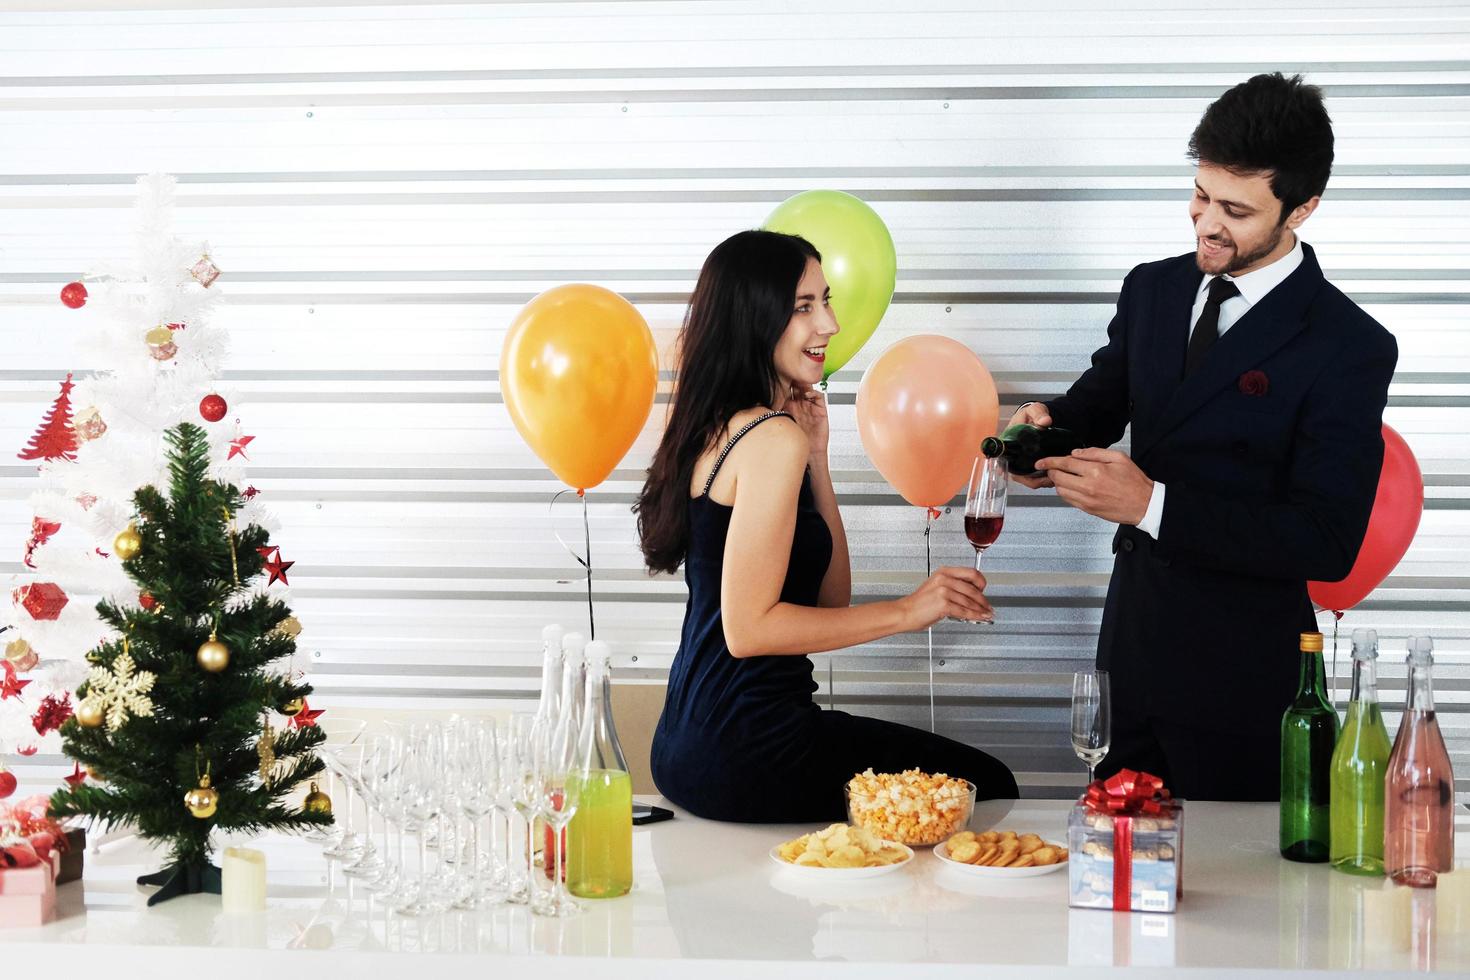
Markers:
point(910, 807)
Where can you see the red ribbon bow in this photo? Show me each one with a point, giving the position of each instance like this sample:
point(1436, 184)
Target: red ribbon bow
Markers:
point(1136, 794)
point(1125, 795)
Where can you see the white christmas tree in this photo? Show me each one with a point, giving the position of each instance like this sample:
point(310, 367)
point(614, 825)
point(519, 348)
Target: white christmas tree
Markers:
point(161, 357)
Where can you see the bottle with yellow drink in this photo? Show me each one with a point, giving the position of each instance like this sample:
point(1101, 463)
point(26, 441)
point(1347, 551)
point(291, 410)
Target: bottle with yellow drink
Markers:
point(600, 837)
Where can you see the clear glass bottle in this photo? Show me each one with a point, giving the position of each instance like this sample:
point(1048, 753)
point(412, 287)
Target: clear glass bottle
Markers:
point(600, 838)
point(1419, 823)
point(551, 664)
point(1360, 767)
point(1308, 735)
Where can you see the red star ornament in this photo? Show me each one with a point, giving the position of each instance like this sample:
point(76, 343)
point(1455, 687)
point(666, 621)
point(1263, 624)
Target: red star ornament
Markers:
point(266, 550)
point(11, 686)
point(277, 568)
point(237, 447)
point(250, 493)
point(305, 718)
point(77, 777)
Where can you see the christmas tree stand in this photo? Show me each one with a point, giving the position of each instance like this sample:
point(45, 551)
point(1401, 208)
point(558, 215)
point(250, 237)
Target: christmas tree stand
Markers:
point(182, 879)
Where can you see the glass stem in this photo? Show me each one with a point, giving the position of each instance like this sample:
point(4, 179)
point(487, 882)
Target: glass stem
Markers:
point(558, 847)
point(979, 553)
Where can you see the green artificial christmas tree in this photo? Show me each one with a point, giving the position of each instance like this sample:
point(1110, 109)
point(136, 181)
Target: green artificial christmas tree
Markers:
point(174, 713)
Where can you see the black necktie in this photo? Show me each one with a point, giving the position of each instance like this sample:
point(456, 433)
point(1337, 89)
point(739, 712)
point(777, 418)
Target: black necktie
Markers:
point(1207, 330)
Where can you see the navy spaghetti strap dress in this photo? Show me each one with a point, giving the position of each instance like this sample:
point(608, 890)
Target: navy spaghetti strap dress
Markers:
point(741, 738)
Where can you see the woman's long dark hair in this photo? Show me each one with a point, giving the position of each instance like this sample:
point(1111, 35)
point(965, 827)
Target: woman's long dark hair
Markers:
point(740, 308)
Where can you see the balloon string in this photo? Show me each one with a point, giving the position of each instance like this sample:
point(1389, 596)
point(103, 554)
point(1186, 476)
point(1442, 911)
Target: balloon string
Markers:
point(1336, 619)
point(928, 570)
point(584, 562)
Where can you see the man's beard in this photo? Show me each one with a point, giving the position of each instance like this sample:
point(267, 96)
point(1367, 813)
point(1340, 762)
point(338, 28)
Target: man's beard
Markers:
point(1250, 258)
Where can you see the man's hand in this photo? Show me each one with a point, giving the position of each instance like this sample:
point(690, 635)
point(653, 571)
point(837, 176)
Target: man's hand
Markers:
point(1102, 482)
point(1037, 415)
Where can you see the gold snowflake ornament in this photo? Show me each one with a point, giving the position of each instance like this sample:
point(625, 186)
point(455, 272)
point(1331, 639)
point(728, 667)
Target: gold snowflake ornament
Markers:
point(121, 691)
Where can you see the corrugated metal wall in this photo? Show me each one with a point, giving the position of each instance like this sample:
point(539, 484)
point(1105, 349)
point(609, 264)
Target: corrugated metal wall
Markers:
point(385, 185)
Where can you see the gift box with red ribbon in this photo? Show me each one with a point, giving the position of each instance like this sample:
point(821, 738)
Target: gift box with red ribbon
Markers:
point(28, 868)
point(1126, 837)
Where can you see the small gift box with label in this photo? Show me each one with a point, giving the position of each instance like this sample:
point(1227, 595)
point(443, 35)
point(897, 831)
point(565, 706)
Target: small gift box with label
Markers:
point(1126, 837)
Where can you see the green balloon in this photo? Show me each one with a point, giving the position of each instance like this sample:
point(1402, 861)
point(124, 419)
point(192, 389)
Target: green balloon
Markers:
point(857, 259)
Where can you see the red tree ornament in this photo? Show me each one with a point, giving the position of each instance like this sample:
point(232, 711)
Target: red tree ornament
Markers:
point(55, 439)
point(74, 295)
point(43, 600)
point(306, 717)
point(213, 408)
point(10, 685)
point(277, 567)
point(237, 447)
point(7, 783)
point(77, 776)
point(52, 712)
point(41, 531)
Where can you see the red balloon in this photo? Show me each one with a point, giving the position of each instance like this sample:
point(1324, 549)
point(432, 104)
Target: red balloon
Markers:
point(213, 408)
point(74, 295)
point(923, 408)
point(1397, 508)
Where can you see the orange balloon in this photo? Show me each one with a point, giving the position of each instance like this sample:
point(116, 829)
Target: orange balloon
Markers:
point(579, 371)
point(923, 408)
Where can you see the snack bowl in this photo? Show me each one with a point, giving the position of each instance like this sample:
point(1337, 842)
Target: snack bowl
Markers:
point(910, 808)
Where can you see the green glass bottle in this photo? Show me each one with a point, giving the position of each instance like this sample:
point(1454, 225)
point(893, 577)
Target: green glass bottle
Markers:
point(1022, 445)
point(1359, 768)
point(1308, 735)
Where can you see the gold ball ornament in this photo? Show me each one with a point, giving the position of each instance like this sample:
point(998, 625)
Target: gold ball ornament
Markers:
point(293, 707)
point(89, 714)
point(290, 626)
point(128, 543)
point(317, 802)
point(203, 801)
point(213, 655)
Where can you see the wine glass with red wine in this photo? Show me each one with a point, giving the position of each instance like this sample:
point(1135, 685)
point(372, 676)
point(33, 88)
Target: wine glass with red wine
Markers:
point(985, 506)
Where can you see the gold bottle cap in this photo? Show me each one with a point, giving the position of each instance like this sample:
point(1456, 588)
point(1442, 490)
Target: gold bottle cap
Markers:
point(1311, 643)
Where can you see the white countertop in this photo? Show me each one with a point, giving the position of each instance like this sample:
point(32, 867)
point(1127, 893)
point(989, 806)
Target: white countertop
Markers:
point(708, 891)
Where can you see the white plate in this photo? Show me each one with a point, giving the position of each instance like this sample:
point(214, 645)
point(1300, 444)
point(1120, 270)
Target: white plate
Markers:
point(840, 874)
point(941, 851)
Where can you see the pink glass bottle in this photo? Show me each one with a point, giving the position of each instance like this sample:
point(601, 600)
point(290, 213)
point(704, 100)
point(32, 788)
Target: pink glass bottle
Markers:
point(1419, 825)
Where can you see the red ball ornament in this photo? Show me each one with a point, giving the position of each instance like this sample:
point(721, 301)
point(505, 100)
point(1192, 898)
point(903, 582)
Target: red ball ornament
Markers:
point(213, 408)
point(74, 295)
point(147, 601)
point(7, 783)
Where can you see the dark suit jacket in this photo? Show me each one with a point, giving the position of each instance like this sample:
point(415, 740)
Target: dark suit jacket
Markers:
point(1263, 492)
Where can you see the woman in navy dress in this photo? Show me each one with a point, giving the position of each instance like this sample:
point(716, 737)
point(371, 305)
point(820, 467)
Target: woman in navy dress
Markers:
point(740, 494)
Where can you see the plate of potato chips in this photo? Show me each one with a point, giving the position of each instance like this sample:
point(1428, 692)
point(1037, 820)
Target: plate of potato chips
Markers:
point(1002, 854)
point(841, 851)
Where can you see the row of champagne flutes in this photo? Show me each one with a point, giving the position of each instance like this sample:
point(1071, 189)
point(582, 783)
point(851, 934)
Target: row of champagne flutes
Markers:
point(464, 791)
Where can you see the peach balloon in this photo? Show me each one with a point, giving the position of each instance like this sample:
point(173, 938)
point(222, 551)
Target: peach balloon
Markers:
point(922, 409)
point(579, 371)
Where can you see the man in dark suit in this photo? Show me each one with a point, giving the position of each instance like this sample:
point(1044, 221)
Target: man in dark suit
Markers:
point(1255, 390)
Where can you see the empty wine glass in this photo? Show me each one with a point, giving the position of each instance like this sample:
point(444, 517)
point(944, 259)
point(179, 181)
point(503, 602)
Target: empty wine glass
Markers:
point(560, 790)
point(1092, 728)
point(525, 796)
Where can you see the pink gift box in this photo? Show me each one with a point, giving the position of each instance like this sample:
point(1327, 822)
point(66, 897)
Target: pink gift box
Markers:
point(18, 911)
point(38, 879)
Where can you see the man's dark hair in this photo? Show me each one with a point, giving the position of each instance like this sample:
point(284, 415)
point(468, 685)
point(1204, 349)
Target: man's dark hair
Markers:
point(1273, 124)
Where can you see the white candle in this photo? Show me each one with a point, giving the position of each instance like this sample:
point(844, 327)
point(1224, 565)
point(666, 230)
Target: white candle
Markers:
point(243, 880)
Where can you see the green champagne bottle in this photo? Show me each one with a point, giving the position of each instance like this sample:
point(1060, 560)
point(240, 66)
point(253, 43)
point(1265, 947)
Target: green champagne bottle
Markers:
point(1359, 768)
point(1308, 734)
point(1023, 444)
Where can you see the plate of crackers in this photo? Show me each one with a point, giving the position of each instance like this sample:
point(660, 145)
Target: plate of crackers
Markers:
point(841, 851)
point(1002, 854)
